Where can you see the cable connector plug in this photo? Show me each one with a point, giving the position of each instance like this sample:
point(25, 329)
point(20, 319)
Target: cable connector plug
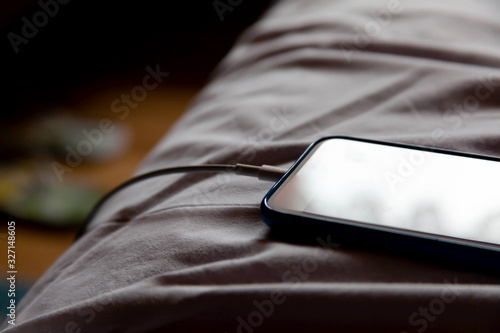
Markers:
point(264, 172)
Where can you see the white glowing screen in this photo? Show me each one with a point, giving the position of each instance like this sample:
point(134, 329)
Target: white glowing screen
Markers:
point(396, 187)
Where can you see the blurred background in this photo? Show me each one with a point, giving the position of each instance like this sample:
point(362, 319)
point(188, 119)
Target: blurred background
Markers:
point(85, 96)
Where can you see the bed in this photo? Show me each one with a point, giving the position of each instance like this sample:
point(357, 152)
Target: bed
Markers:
point(190, 253)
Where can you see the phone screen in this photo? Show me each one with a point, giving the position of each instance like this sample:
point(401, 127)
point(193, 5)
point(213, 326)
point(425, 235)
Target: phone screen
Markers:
point(387, 186)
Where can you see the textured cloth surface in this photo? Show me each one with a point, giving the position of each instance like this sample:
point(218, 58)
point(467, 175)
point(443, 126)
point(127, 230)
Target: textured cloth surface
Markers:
point(190, 252)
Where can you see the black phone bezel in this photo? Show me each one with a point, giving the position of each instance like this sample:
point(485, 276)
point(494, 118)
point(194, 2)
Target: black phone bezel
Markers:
point(484, 255)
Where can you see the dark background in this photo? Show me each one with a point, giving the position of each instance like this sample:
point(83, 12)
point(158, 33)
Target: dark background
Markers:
point(82, 59)
point(91, 42)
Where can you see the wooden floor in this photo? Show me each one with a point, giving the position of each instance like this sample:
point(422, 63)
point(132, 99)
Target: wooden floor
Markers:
point(36, 247)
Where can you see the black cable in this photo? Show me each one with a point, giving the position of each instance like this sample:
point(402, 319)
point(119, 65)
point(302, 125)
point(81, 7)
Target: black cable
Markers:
point(264, 172)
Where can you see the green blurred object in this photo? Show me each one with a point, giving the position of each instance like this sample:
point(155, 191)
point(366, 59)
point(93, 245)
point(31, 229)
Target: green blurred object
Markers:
point(27, 194)
point(30, 186)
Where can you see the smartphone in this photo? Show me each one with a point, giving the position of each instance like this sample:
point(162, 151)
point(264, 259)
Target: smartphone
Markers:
point(438, 203)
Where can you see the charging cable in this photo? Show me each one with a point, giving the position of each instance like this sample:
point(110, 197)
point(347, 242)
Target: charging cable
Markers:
point(264, 172)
